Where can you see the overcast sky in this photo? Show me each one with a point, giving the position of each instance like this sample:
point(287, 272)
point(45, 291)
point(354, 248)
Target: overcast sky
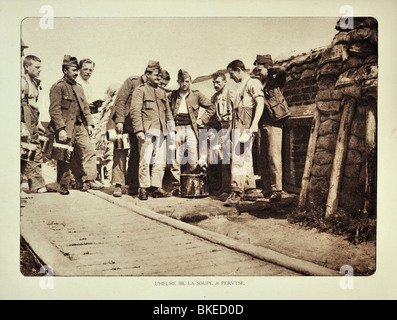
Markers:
point(122, 47)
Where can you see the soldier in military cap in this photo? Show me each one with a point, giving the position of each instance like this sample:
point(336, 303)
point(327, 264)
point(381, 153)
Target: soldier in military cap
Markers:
point(71, 123)
point(185, 104)
point(270, 129)
point(165, 80)
point(122, 121)
point(151, 118)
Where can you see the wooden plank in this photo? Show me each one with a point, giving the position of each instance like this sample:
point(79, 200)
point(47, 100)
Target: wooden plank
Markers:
point(370, 160)
point(311, 149)
point(60, 263)
point(144, 255)
point(340, 156)
point(262, 253)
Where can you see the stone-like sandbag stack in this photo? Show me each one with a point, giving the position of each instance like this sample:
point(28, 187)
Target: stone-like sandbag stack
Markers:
point(337, 166)
point(301, 85)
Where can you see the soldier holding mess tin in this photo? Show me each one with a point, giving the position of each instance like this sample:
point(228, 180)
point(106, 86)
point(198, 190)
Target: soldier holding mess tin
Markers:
point(71, 123)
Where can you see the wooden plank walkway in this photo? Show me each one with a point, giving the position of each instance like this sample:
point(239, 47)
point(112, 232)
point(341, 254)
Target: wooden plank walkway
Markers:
point(84, 235)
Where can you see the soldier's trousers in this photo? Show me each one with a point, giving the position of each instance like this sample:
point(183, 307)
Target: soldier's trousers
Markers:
point(270, 156)
point(152, 152)
point(123, 174)
point(77, 165)
point(242, 165)
point(32, 169)
point(242, 169)
point(185, 142)
point(83, 145)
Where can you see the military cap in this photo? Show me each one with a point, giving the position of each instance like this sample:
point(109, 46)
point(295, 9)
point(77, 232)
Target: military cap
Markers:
point(153, 65)
point(183, 74)
point(265, 60)
point(69, 61)
point(165, 75)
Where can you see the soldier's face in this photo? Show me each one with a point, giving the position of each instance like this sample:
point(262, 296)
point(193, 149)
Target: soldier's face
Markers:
point(184, 84)
point(154, 77)
point(34, 69)
point(163, 82)
point(234, 75)
point(219, 84)
point(86, 70)
point(71, 73)
point(261, 71)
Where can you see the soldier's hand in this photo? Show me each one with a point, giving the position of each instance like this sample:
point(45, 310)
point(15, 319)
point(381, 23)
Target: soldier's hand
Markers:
point(246, 136)
point(254, 128)
point(41, 128)
point(62, 135)
point(200, 123)
point(141, 136)
point(119, 127)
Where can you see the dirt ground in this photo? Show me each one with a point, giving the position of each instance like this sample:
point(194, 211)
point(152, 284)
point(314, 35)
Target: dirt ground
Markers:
point(29, 264)
point(273, 231)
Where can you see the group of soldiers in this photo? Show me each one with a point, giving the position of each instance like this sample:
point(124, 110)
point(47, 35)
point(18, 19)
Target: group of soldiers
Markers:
point(164, 129)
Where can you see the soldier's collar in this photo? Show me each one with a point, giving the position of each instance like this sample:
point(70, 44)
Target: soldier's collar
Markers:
point(152, 85)
point(186, 93)
point(72, 82)
point(37, 81)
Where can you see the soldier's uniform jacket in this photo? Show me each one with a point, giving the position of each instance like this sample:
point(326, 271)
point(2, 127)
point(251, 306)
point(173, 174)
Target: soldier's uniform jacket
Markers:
point(194, 100)
point(67, 105)
point(275, 79)
point(223, 103)
point(150, 109)
point(122, 104)
point(273, 85)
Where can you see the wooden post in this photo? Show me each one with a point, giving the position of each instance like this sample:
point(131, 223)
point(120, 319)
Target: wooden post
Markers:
point(340, 156)
point(309, 159)
point(370, 159)
point(287, 156)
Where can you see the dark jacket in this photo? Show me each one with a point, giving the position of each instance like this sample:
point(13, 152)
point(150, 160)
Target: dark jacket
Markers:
point(67, 99)
point(150, 109)
point(274, 82)
point(194, 100)
point(122, 104)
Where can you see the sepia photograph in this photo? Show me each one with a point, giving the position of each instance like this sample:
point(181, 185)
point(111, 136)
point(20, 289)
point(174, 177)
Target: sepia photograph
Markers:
point(120, 114)
point(211, 151)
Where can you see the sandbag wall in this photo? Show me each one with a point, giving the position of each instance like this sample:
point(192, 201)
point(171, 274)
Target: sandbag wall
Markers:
point(340, 169)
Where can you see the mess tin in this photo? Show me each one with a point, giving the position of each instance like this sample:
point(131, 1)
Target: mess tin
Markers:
point(194, 185)
point(62, 152)
point(121, 141)
point(44, 142)
point(28, 151)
